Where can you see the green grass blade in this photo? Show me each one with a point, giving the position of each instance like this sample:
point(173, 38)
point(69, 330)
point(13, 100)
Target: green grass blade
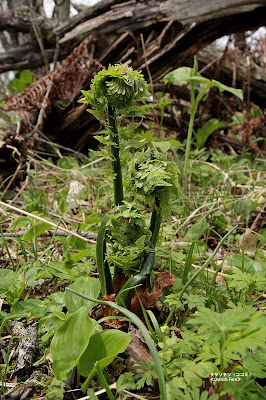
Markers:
point(155, 325)
point(188, 263)
point(207, 262)
point(154, 338)
point(7, 250)
point(104, 382)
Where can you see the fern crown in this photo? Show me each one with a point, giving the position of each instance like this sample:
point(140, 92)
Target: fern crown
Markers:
point(119, 86)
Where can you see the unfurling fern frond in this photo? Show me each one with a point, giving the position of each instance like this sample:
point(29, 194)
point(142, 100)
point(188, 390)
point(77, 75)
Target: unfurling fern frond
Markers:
point(127, 234)
point(119, 86)
point(152, 175)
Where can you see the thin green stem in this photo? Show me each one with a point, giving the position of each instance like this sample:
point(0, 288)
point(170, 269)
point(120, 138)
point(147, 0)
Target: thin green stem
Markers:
point(156, 218)
point(114, 138)
point(194, 107)
point(188, 145)
point(163, 359)
point(190, 127)
point(103, 380)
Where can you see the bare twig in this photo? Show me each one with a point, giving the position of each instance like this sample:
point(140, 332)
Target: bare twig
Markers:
point(40, 42)
point(151, 83)
point(46, 221)
point(58, 232)
point(13, 177)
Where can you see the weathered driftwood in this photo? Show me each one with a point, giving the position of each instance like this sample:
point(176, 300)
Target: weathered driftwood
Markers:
point(109, 19)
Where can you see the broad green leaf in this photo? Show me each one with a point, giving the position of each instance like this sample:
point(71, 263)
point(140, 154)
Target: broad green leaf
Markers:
point(255, 364)
point(179, 75)
point(20, 83)
point(35, 307)
point(244, 208)
point(52, 305)
point(78, 256)
point(245, 263)
point(7, 279)
point(19, 223)
point(198, 79)
point(93, 218)
point(103, 347)
point(36, 230)
point(56, 390)
point(61, 269)
point(70, 342)
point(185, 74)
point(27, 76)
point(194, 372)
point(13, 292)
point(206, 130)
point(213, 83)
point(33, 272)
point(196, 231)
point(175, 144)
point(85, 285)
point(57, 298)
point(67, 163)
point(49, 324)
point(237, 92)
point(42, 273)
point(68, 269)
point(92, 395)
point(164, 146)
point(146, 336)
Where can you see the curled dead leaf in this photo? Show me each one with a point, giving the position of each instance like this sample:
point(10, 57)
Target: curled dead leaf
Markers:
point(149, 297)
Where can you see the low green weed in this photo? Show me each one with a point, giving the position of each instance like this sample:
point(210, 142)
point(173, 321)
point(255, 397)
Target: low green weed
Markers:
point(210, 346)
point(22, 80)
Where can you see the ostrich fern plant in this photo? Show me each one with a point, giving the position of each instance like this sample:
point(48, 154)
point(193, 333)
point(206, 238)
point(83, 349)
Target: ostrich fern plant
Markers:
point(113, 95)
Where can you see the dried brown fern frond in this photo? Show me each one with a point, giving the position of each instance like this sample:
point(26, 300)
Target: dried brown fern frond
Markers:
point(61, 84)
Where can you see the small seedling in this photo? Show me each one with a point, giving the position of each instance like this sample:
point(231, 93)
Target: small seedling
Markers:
point(191, 75)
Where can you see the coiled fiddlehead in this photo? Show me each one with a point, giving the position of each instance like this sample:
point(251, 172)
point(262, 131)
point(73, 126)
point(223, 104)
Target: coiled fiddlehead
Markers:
point(119, 86)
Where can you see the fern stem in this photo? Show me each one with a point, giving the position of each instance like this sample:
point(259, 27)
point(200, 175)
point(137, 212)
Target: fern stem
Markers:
point(156, 218)
point(118, 185)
